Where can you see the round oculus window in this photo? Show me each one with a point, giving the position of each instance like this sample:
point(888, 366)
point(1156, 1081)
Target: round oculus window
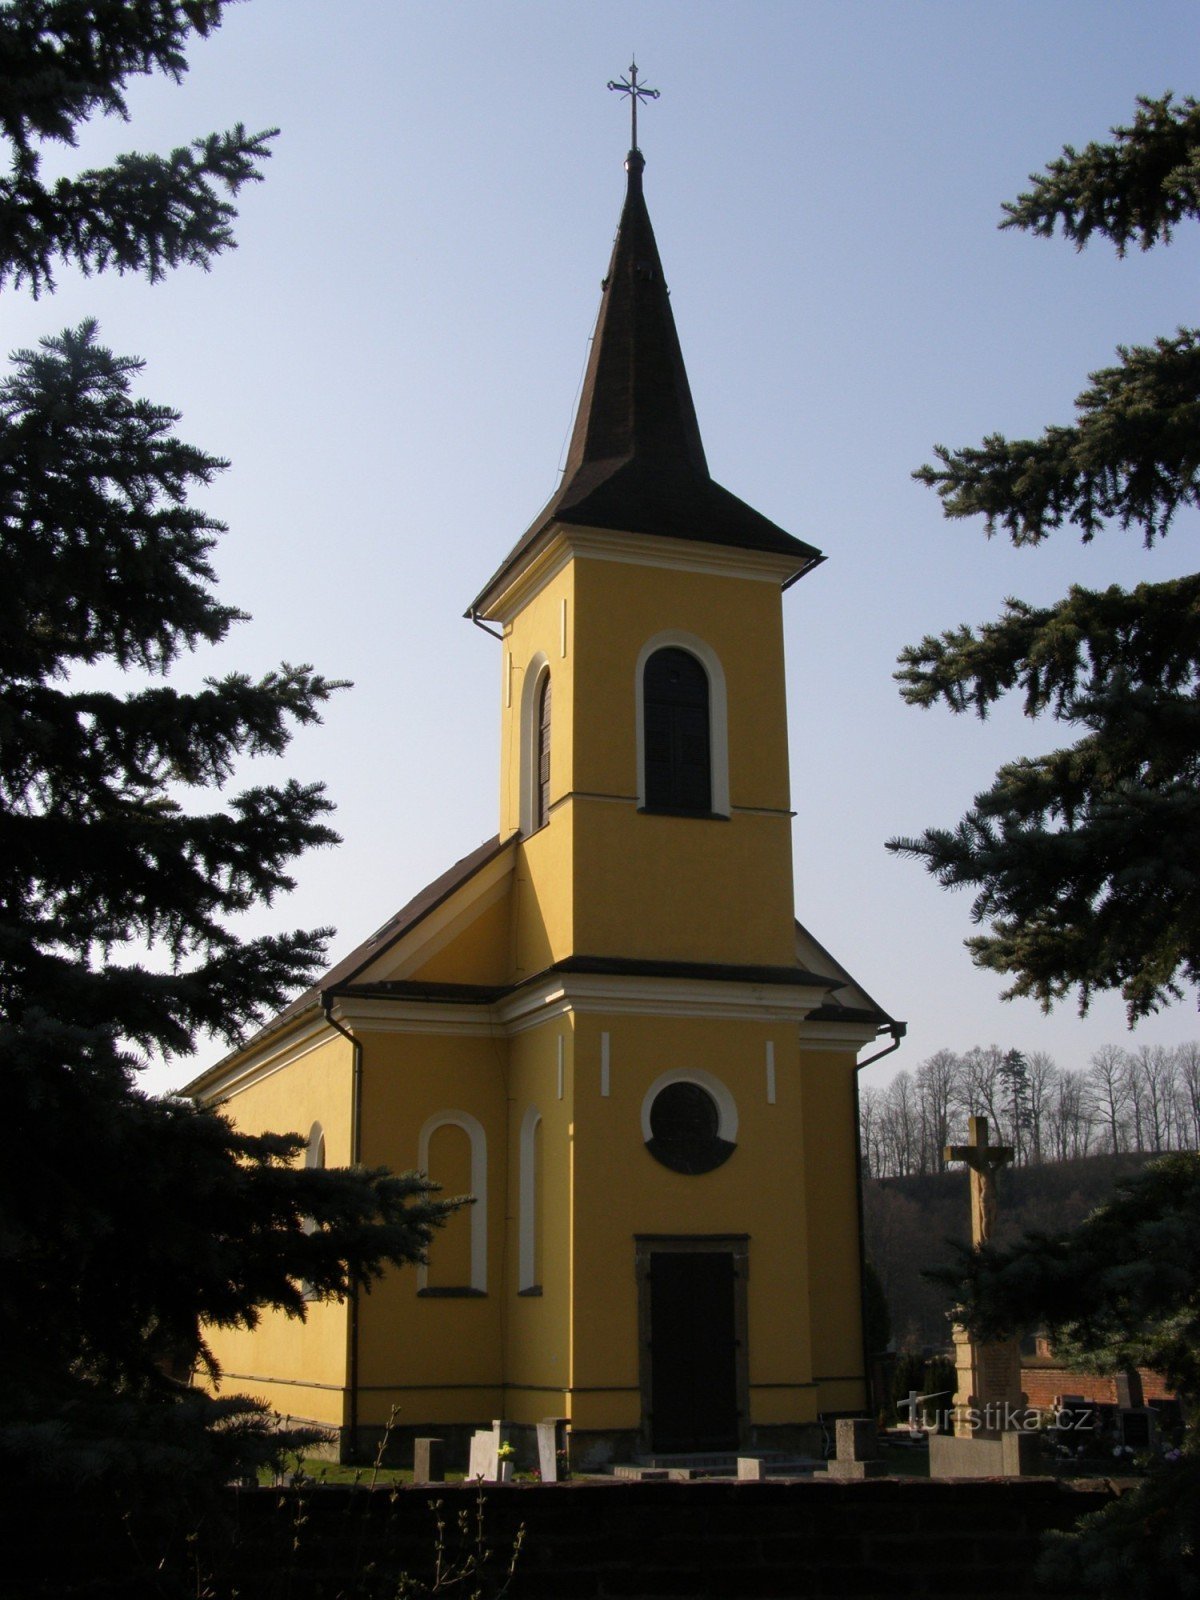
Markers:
point(685, 1129)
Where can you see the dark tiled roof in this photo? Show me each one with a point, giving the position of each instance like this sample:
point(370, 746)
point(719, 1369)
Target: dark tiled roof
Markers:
point(712, 971)
point(831, 1011)
point(636, 462)
point(614, 966)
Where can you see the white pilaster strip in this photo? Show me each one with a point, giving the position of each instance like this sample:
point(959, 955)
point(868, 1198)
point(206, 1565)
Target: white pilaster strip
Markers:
point(770, 1072)
point(604, 1065)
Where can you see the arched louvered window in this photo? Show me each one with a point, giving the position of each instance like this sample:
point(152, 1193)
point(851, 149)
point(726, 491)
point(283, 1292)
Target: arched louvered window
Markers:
point(541, 807)
point(676, 722)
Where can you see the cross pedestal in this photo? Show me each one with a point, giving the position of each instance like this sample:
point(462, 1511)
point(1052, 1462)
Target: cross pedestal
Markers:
point(988, 1398)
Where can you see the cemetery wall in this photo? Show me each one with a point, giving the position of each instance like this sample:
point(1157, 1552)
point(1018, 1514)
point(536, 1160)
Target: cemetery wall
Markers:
point(1044, 1380)
point(581, 1541)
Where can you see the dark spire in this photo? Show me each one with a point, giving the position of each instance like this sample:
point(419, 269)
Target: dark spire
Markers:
point(636, 402)
point(636, 462)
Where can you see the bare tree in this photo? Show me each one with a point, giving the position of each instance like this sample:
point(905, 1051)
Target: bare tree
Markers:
point(1041, 1080)
point(870, 1116)
point(902, 1125)
point(1071, 1116)
point(981, 1087)
point(1187, 1066)
point(1151, 1071)
point(1109, 1081)
point(937, 1093)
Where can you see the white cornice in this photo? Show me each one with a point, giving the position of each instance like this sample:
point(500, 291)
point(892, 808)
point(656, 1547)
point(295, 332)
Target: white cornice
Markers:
point(618, 994)
point(563, 542)
point(837, 1035)
point(221, 1083)
point(560, 994)
point(383, 1014)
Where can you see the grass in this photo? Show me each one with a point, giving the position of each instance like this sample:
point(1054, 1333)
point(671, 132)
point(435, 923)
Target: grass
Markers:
point(319, 1469)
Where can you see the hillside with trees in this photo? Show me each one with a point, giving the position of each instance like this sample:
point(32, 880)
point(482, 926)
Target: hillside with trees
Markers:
point(1074, 1133)
point(1145, 1100)
point(912, 1223)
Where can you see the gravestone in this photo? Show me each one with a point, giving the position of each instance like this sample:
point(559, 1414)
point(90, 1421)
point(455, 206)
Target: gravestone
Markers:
point(1137, 1428)
point(485, 1461)
point(857, 1450)
point(1130, 1395)
point(1075, 1421)
point(551, 1438)
point(429, 1461)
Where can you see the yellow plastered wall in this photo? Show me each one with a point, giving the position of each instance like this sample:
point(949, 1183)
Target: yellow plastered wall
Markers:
point(536, 634)
point(617, 609)
point(449, 1166)
point(481, 953)
point(683, 888)
point(621, 1191)
point(297, 1367)
point(537, 1331)
point(601, 878)
point(542, 901)
point(827, 1077)
point(434, 1358)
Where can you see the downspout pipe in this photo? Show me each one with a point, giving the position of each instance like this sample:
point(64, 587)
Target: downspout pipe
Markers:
point(491, 632)
point(897, 1031)
point(355, 1158)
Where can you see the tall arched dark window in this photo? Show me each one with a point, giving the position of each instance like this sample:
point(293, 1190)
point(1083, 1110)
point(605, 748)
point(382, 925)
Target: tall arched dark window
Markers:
point(541, 805)
point(675, 717)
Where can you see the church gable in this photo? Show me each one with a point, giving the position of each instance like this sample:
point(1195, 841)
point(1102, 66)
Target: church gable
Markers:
point(458, 933)
point(848, 995)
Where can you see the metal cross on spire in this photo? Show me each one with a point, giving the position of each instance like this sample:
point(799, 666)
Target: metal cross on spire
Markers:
point(636, 92)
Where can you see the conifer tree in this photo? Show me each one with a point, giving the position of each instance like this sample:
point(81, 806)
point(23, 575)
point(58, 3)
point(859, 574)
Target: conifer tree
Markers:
point(128, 1223)
point(1085, 863)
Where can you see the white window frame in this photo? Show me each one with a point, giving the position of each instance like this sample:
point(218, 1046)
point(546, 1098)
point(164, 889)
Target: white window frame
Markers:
point(727, 1115)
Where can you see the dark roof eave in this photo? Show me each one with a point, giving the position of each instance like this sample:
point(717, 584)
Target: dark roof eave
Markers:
point(601, 966)
point(830, 1012)
point(806, 556)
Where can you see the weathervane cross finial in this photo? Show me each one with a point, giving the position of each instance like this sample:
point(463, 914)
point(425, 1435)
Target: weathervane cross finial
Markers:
point(636, 92)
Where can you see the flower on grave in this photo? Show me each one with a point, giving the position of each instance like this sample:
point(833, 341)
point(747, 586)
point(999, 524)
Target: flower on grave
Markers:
point(506, 1452)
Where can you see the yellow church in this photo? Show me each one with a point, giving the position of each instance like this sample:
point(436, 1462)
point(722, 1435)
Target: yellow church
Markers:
point(605, 1023)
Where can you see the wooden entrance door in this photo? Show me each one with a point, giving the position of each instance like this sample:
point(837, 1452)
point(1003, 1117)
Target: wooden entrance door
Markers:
point(693, 1357)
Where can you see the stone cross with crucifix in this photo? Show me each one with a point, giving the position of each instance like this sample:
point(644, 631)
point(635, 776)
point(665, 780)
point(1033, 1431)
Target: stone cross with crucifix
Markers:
point(984, 1160)
point(989, 1394)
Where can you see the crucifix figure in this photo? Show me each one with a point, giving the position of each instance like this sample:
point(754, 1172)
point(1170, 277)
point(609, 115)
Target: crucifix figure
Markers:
point(636, 92)
point(984, 1160)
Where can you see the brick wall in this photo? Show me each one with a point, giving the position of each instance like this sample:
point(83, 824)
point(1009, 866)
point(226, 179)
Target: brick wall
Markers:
point(1043, 1381)
point(582, 1541)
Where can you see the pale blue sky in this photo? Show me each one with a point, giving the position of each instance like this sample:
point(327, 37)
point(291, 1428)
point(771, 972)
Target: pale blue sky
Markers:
point(390, 361)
